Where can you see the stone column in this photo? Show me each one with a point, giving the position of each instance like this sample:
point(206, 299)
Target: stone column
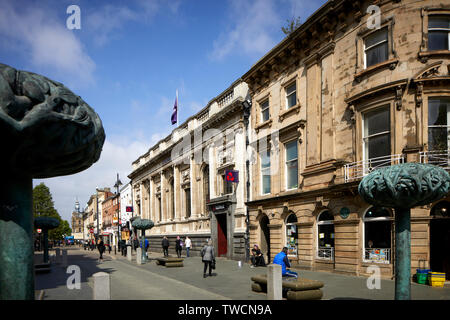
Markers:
point(212, 172)
point(274, 282)
point(194, 186)
point(177, 193)
point(102, 286)
point(64, 258)
point(129, 257)
point(139, 256)
point(163, 197)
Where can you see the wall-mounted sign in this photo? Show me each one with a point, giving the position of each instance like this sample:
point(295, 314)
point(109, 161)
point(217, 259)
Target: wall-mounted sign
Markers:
point(39, 230)
point(344, 213)
point(219, 207)
point(232, 175)
point(129, 209)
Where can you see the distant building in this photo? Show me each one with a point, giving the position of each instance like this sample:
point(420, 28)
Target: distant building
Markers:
point(77, 225)
point(125, 211)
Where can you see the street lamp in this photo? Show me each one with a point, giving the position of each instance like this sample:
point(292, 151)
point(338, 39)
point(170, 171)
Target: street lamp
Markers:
point(117, 186)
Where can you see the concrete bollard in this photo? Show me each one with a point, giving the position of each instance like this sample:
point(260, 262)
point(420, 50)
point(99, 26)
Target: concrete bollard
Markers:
point(129, 258)
point(64, 258)
point(139, 256)
point(58, 256)
point(102, 286)
point(274, 282)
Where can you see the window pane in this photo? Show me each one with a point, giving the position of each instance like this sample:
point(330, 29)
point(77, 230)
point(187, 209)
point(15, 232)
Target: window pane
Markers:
point(438, 40)
point(266, 183)
point(265, 105)
point(376, 121)
point(265, 159)
point(376, 212)
point(290, 89)
point(291, 150)
point(326, 235)
point(437, 112)
point(439, 22)
point(376, 37)
point(438, 138)
point(379, 232)
point(379, 146)
point(292, 175)
point(326, 216)
point(291, 100)
point(376, 54)
point(265, 115)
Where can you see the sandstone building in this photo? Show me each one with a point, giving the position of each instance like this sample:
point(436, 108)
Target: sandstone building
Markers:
point(345, 96)
point(180, 183)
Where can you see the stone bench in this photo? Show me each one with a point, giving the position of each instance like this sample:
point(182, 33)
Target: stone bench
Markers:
point(293, 289)
point(169, 262)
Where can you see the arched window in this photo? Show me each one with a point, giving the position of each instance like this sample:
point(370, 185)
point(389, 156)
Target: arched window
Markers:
point(325, 234)
point(292, 235)
point(377, 235)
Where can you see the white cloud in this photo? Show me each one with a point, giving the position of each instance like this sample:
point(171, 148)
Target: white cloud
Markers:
point(47, 43)
point(252, 24)
point(117, 157)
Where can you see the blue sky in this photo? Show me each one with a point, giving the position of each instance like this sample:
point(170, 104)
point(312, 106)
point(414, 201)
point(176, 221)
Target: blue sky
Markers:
point(129, 58)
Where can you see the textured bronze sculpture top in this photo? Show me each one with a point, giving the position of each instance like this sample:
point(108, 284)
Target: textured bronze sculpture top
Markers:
point(142, 224)
point(405, 185)
point(46, 129)
point(46, 222)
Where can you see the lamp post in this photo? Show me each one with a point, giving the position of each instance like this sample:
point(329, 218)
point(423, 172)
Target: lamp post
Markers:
point(117, 186)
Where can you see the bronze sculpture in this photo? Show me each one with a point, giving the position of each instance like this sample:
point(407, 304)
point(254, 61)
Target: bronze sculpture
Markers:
point(402, 187)
point(46, 131)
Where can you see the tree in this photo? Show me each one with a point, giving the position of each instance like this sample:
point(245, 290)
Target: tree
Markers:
point(292, 24)
point(43, 206)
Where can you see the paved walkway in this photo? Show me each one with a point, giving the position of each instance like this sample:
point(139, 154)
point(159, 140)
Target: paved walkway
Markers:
point(152, 282)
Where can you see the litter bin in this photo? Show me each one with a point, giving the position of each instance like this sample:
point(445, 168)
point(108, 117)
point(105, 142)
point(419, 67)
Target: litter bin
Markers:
point(436, 279)
point(422, 275)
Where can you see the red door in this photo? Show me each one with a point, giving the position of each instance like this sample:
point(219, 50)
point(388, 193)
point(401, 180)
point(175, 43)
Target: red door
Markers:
point(221, 234)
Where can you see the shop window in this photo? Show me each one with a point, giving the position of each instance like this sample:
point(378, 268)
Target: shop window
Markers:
point(291, 165)
point(438, 124)
point(376, 133)
point(265, 171)
point(377, 235)
point(292, 235)
point(376, 48)
point(227, 185)
point(438, 32)
point(325, 233)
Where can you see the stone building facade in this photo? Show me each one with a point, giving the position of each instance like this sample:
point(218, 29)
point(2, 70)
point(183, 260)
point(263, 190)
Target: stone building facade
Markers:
point(110, 213)
point(94, 202)
point(77, 225)
point(180, 183)
point(347, 93)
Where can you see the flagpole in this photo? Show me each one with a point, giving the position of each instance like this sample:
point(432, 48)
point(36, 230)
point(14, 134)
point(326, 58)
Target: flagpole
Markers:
point(178, 107)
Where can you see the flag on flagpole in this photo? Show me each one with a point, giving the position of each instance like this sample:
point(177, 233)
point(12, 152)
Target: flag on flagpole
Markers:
point(175, 111)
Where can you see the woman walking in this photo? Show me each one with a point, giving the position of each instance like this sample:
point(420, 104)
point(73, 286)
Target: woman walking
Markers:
point(207, 257)
point(101, 248)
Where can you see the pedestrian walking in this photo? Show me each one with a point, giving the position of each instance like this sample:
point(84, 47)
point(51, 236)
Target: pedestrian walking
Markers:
point(109, 248)
point(178, 246)
point(208, 257)
point(101, 248)
point(188, 244)
point(165, 246)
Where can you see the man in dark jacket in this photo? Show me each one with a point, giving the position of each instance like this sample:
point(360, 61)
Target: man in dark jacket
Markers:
point(165, 245)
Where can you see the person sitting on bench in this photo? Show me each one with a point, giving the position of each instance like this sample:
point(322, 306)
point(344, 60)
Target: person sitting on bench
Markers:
point(257, 257)
point(282, 259)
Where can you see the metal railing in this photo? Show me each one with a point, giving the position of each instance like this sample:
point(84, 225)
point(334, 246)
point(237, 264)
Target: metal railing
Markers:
point(325, 253)
point(377, 255)
point(439, 158)
point(359, 169)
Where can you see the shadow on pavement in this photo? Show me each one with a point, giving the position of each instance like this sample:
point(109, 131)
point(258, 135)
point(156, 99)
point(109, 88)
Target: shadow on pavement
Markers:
point(58, 276)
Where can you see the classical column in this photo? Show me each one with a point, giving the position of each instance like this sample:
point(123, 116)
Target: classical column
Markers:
point(193, 185)
point(176, 193)
point(152, 200)
point(212, 172)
